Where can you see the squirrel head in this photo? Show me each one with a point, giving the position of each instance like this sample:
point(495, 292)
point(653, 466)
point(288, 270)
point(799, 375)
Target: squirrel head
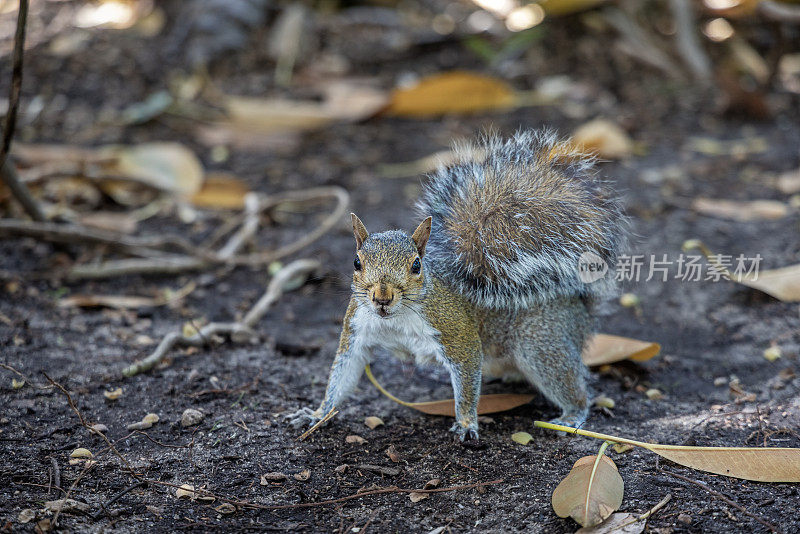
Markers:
point(388, 270)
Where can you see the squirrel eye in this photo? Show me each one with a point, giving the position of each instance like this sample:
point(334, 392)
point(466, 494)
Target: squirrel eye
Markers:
point(416, 266)
point(357, 263)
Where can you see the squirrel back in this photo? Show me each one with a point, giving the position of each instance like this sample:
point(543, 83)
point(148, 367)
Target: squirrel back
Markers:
point(512, 218)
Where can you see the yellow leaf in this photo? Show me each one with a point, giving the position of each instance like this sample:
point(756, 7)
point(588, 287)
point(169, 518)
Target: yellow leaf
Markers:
point(591, 492)
point(221, 191)
point(523, 438)
point(754, 210)
point(772, 353)
point(783, 283)
point(761, 464)
point(81, 453)
point(17, 383)
point(113, 394)
point(603, 138)
point(451, 92)
point(604, 348)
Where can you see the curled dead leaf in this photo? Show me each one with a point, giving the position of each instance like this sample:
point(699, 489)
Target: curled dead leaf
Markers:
point(303, 475)
point(605, 348)
point(225, 508)
point(113, 395)
point(617, 523)
point(451, 92)
point(591, 491)
point(352, 438)
point(81, 453)
point(416, 496)
point(753, 210)
point(603, 138)
point(373, 422)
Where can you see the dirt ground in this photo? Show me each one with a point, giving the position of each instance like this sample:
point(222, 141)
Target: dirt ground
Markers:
point(713, 334)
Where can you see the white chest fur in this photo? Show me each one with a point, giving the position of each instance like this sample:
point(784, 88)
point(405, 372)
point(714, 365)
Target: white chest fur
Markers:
point(406, 334)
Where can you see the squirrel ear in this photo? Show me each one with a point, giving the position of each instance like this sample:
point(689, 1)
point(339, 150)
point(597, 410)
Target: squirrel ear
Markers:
point(359, 230)
point(421, 235)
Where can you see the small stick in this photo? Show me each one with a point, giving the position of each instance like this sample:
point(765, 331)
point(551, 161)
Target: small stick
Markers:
point(393, 489)
point(115, 498)
point(56, 474)
point(7, 171)
point(283, 281)
point(330, 415)
point(723, 498)
point(689, 46)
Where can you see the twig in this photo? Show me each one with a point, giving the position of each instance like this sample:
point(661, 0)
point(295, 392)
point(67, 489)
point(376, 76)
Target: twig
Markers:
point(284, 280)
point(688, 44)
point(393, 489)
point(723, 498)
point(56, 474)
point(88, 426)
point(115, 498)
point(22, 376)
point(180, 264)
point(330, 415)
point(7, 171)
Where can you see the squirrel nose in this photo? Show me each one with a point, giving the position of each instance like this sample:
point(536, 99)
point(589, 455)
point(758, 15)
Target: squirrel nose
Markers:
point(381, 301)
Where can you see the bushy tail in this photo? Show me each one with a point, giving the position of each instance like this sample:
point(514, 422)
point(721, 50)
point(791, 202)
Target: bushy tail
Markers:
point(515, 221)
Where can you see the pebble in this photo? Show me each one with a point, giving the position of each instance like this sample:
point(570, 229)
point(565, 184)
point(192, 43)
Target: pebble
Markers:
point(191, 417)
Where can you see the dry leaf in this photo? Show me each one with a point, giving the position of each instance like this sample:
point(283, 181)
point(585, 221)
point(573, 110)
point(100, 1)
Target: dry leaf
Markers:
point(354, 439)
point(373, 422)
point(654, 394)
point(169, 167)
point(432, 483)
point(451, 92)
point(81, 453)
point(617, 523)
point(783, 283)
point(761, 464)
point(225, 508)
point(753, 210)
point(126, 302)
point(603, 138)
point(26, 516)
point(391, 452)
point(66, 505)
point(486, 404)
point(621, 448)
point(604, 348)
point(147, 421)
point(417, 496)
point(523, 438)
point(303, 475)
point(789, 182)
point(114, 394)
point(110, 220)
point(274, 476)
point(186, 490)
point(221, 191)
point(604, 402)
point(17, 383)
point(772, 353)
point(591, 491)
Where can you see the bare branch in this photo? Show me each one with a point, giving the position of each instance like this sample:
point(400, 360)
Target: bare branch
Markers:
point(285, 280)
point(693, 54)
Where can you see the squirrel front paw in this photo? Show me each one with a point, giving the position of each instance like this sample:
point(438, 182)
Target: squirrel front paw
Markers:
point(465, 430)
point(303, 417)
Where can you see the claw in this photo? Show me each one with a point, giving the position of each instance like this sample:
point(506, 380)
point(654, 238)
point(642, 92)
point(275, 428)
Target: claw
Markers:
point(302, 417)
point(462, 432)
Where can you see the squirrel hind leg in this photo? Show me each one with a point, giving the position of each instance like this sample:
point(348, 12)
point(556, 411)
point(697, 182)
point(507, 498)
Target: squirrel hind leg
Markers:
point(549, 357)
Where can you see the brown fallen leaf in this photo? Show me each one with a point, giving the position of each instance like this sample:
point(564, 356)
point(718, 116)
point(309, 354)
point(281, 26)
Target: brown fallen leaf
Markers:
point(416, 496)
point(221, 191)
point(451, 92)
point(753, 210)
point(604, 348)
point(591, 491)
point(761, 464)
point(252, 120)
point(603, 138)
point(783, 283)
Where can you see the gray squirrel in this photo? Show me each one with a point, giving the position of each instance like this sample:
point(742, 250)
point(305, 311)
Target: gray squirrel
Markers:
point(489, 283)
